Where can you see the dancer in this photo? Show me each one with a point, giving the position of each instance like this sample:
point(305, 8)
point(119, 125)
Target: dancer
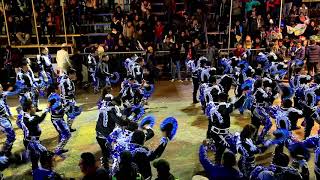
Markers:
point(137, 70)
point(132, 97)
point(46, 72)
point(55, 104)
point(30, 123)
point(259, 113)
point(219, 120)
point(247, 149)
point(68, 95)
point(109, 117)
point(26, 82)
point(92, 69)
point(5, 123)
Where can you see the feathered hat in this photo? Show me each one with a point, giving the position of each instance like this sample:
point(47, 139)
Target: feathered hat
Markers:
point(247, 84)
point(148, 90)
point(148, 120)
point(170, 126)
point(281, 135)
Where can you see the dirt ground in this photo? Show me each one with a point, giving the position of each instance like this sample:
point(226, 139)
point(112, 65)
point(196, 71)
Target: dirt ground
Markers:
point(169, 99)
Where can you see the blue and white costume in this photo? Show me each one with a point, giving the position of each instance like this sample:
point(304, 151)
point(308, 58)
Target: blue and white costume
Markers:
point(277, 70)
point(30, 125)
point(218, 129)
point(109, 118)
point(131, 96)
point(57, 113)
point(27, 84)
point(46, 72)
point(5, 123)
point(68, 95)
point(247, 149)
point(259, 113)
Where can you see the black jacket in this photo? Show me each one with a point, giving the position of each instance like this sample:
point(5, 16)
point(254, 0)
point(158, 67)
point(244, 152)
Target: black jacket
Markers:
point(142, 156)
point(109, 115)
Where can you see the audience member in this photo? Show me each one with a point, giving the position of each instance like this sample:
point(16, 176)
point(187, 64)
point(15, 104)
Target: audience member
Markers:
point(89, 168)
point(163, 169)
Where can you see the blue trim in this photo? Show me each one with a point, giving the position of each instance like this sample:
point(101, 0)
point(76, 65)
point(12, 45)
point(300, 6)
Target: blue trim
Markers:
point(149, 118)
point(174, 122)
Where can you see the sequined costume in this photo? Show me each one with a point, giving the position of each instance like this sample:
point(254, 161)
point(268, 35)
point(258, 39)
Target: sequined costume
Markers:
point(68, 95)
point(218, 128)
point(57, 119)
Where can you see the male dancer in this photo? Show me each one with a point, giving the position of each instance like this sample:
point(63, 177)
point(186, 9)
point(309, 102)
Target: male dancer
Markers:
point(68, 95)
point(57, 112)
point(30, 124)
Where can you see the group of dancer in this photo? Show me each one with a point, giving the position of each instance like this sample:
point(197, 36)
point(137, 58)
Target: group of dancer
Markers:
point(60, 92)
point(120, 127)
point(255, 90)
point(123, 125)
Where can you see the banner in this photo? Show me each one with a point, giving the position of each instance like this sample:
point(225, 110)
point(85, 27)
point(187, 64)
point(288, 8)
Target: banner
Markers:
point(297, 30)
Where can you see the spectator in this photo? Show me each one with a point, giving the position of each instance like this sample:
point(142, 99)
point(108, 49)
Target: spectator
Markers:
point(111, 5)
point(293, 13)
point(282, 49)
point(238, 51)
point(89, 168)
point(237, 31)
point(109, 42)
point(51, 27)
point(145, 5)
point(163, 169)
point(175, 62)
point(128, 170)
point(128, 31)
point(236, 9)
point(287, 7)
point(116, 24)
point(300, 51)
point(158, 32)
point(170, 8)
point(56, 11)
point(303, 9)
point(184, 39)
point(170, 36)
point(260, 21)
point(152, 70)
point(211, 54)
point(43, 18)
point(24, 29)
point(119, 13)
point(63, 61)
point(313, 58)
point(136, 21)
point(303, 19)
point(257, 44)
point(149, 25)
point(46, 170)
point(311, 29)
point(248, 42)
